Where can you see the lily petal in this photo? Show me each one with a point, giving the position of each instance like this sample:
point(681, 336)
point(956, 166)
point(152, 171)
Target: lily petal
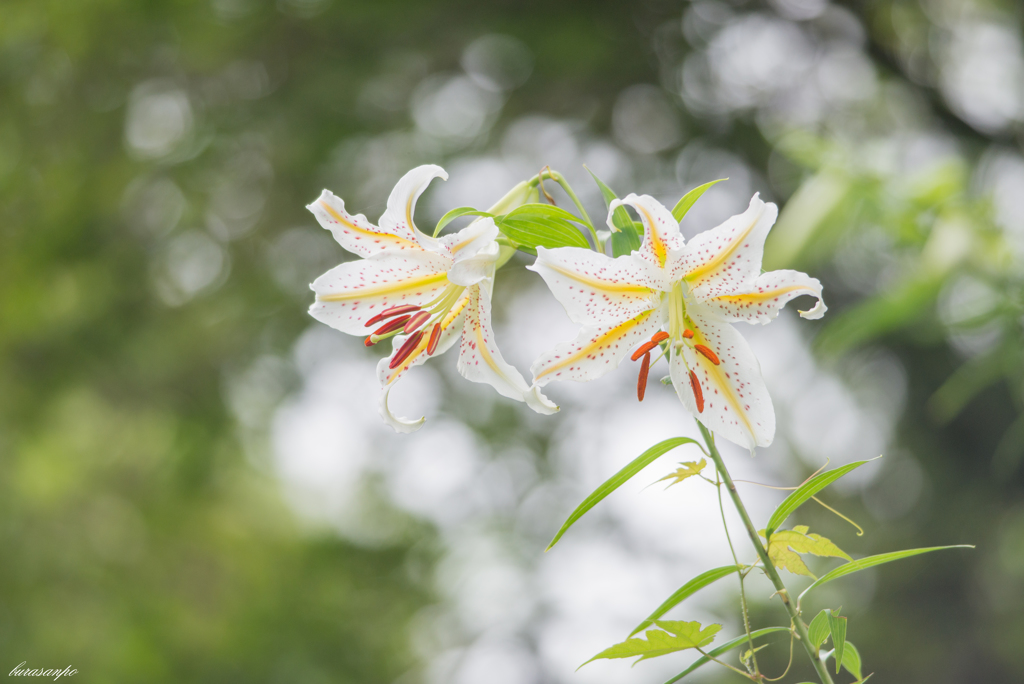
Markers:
point(737, 405)
point(399, 424)
point(471, 239)
point(661, 230)
point(480, 360)
point(451, 328)
point(356, 233)
point(771, 292)
point(727, 259)
point(480, 266)
point(349, 295)
point(595, 289)
point(398, 218)
point(596, 350)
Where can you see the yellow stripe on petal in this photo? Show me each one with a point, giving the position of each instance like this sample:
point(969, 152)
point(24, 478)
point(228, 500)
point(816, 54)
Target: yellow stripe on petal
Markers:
point(756, 297)
point(389, 288)
point(354, 228)
point(657, 244)
point(719, 258)
point(595, 283)
point(597, 343)
point(717, 375)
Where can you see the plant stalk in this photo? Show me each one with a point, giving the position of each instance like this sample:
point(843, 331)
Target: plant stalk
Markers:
point(769, 567)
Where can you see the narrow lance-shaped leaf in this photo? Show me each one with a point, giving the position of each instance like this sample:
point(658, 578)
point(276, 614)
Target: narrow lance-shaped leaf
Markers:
point(837, 625)
point(724, 648)
point(456, 213)
point(818, 630)
point(805, 492)
point(677, 636)
point(620, 478)
point(871, 561)
point(696, 584)
point(688, 200)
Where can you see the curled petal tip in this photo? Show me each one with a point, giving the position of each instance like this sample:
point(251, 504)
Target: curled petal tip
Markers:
point(536, 400)
point(398, 424)
point(817, 312)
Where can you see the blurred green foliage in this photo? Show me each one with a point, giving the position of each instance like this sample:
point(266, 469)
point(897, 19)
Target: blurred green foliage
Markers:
point(141, 542)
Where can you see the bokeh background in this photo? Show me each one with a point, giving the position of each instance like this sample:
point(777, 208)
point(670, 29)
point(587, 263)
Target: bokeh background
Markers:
point(194, 483)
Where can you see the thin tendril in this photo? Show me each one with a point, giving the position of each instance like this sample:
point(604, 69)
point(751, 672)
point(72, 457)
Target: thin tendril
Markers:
point(724, 664)
point(792, 638)
point(736, 560)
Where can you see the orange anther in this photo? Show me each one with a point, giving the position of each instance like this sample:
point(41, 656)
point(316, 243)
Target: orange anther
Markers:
point(406, 349)
point(697, 393)
point(641, 382)
point(435, 335)
point(392, 326)
point(643, 349)
point(711, 356)
point(393, 311)
point(688, 334)
point(659, 337)
point(418, 319)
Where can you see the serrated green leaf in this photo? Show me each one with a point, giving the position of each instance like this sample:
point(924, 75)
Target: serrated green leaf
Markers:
point(784, 546)
point(541, 225)
point(872, 561)
point(805, 492)
point(619, 478)
point(686, 469)
point(671, 637)
point(818, 630)
point(696, 584)
point(837, 625)
point(851, 660)
point(456, 213)
point(688, 200)
point(724, 648)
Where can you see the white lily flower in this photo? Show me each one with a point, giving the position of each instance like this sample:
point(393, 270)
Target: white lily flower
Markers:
point(424, 292)
point(683, 297)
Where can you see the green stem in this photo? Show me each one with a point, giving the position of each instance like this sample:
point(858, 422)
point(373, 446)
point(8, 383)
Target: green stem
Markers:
point(739, 571)
point(769, 567)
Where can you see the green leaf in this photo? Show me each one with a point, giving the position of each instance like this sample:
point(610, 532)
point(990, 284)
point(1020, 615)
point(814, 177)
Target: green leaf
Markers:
point(871, 561)
point(837, 625)
point(688, 200)
point(620, 478)
point(686, 469)
point(784, 546)
point(685, 591)
point(542, 225)
point(625, 238)
point(818, 630)
point(456, 213)
point(677, 636)
point(727, 646)
point(805, 492)
point(851, 660)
